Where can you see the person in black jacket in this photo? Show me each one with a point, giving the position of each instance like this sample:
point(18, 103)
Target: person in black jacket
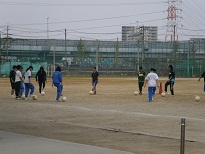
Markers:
point(12, 80)
point(171, 80)
point(41, 79)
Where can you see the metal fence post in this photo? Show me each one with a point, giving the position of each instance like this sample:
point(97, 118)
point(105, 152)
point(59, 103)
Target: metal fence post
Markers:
point(182, 146)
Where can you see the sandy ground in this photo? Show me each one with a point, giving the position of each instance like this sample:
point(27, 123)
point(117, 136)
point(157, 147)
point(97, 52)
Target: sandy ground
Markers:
point(114, 118)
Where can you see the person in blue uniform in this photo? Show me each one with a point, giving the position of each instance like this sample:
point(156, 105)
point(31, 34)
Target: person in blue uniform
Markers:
point(57, 81)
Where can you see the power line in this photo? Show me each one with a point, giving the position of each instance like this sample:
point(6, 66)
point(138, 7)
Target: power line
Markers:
point(77, 5)
point(89, 20)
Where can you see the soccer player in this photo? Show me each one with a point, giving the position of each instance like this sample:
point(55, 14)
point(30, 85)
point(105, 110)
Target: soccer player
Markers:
point(141, 78)
point(28, 84)
point(171, 80)
point(152, 79)
point(41, 79)
point(18, 80)
point(202, 76)
point(94, 76)
point(21, 86)
point(58, 82)
point(155, 71)
point(12, 80)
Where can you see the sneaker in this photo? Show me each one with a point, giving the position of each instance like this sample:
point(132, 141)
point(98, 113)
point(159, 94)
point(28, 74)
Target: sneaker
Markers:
point(18, 98)
point(57, 101)
point(12, 96)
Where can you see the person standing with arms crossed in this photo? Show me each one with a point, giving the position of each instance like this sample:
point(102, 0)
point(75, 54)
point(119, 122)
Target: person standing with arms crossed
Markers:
point(41, 79)
point(28, 83)
point(171, 80)
point(58, 82)
point(141, 77)
point(18, 80)
point(94, 76)
point(202, 76)
point(12, 80)
point(152, 79)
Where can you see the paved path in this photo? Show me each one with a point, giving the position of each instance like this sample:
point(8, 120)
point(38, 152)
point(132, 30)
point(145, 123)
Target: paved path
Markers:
point(12, 143)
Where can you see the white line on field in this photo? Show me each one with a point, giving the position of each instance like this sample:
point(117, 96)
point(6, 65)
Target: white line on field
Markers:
point(121, 112)
point(138, 113)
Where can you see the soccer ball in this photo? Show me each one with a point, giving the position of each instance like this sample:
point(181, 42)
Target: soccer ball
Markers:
point(163, 94)
point(91, 92)
point(34, 97)
point(63, 99)
point(43, 93)
point(197, 98)
point(136, 93)
point(23, 97)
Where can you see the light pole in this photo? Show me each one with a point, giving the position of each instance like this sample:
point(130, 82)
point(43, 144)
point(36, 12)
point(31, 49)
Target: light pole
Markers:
point(47, 30)
point(47, 44)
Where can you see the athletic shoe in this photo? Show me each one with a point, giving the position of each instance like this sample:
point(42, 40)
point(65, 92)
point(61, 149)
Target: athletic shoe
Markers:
point(18, 98)
point(12, 96)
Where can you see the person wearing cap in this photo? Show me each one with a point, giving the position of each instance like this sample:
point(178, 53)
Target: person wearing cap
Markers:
point(141, 77)
point(12, 76)
point(94, 76)
point(171, 80)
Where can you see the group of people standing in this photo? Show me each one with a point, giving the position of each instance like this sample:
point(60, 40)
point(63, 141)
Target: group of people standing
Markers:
point(17, 80)
point(152, 79)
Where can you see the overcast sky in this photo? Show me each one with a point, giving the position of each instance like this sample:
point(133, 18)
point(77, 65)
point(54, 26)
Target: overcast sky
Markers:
point(96, 19)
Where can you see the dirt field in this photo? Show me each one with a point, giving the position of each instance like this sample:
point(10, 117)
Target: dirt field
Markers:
point(114, 118)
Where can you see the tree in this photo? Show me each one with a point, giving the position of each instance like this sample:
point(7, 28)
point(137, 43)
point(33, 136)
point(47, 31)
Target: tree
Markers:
point(81, 54)
point(116, 56)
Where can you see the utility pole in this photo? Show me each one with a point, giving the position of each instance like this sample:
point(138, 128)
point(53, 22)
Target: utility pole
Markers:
point(142, 54)
point(7, 41)
point(174, 47)
point(47, 43)
point(65, 45)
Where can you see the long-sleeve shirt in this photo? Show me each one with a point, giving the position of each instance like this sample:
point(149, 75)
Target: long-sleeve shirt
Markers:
point(57, 77)
point(41, 76)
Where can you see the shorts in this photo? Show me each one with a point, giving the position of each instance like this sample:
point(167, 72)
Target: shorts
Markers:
point(95, 82)
point(13, 85)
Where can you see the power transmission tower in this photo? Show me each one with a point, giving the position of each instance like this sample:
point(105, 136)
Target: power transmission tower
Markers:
point(173, 20)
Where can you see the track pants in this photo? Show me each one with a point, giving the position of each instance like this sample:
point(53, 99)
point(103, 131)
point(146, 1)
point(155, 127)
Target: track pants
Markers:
point(17, 88)
point(59, 90)
point(151, 91)
point(29, 86)
point(41, 84)
point(21, 88)
point(140, 84)
point(171, 87)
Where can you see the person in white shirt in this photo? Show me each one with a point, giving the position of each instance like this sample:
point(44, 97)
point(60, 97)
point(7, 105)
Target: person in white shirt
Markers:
point(28, 83)
point(18, 80)
point(152, 79)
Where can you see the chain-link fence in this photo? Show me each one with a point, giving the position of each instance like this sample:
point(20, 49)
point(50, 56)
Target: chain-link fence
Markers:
point(77, 57)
